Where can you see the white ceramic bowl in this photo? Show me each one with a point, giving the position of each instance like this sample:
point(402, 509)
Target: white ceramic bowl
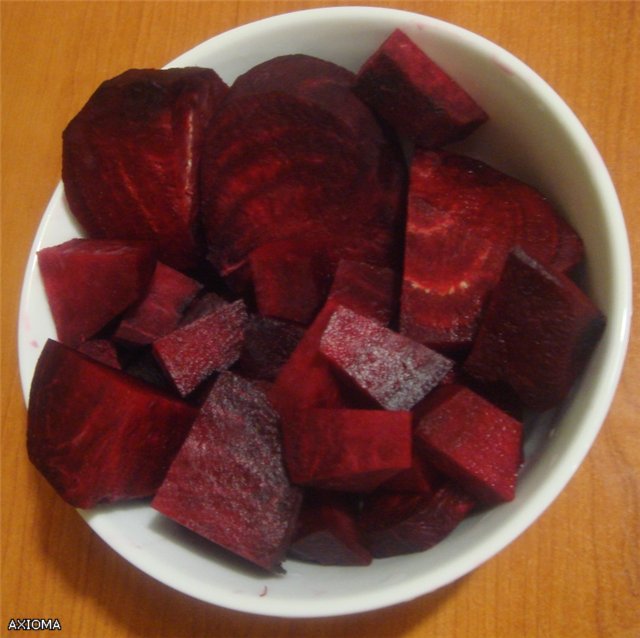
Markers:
point(531, 134)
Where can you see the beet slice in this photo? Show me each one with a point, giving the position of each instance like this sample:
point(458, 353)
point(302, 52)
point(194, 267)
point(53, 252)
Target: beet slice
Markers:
point(396, 524)
point(98, 435)
point(160, 311)
point(472, 442)
point(537, 334)
point(463, 219)
point(347, 450)
point(228, 482)
point(209, 344)
point(277, 167)
point(326, 532)
point(131, 157)
point(89, 282)
point(391, 369)
point(411, 92)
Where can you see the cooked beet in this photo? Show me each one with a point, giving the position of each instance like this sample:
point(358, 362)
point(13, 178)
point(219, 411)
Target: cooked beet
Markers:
point(472, 442)
point(202, 305)
point(411, 92)
point(101, 350)
point(212, 343)
point(537, 333)
point(420, 478)
point(391, 369)
point(89, 282)
point(228, 482)
point(95, 433)
point(463, 219)
point(131, 156)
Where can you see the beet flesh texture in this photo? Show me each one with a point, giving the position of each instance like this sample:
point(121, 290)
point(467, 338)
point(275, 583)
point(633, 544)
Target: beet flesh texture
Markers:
point(161, 309)
point(463, 219)
point(89, 282)
point(228, 482)
point(404, 523)
point(347, 450)
point(391, 369)
point(98, 435)
point(326, 532)
point(101, 350)
point(472, 442)
point(211, 343)
point(537, 333)
point(276, 167)
point(415, 96)
point(131, 158)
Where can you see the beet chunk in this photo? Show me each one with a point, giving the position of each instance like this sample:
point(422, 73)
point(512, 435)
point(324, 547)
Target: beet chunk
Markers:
point(130, 158)
point(463, 219)
point(391, 369)
point(347, 450)
point(228, 482)
point(471, 441)
point(537, 334)
point(395, 524)
point(198, 349)
point(89, 282)
point(413, 94)
point(98, 435)
point(101, 350)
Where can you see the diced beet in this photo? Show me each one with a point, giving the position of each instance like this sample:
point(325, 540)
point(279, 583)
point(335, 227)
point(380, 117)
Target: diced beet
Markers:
point(411, 92)
point(366, 289)
point(391, 369)
point(396, 524)
point(209, 344)
point(268, 344)
point(95, 433)
point(89, 282)
point(101, 350)
point(537, 333)
point(463, 219)
point(326, 532)
point(291, 279)
point(472, 442)
point(228, 482)
point(160, 311)
point(131, 157)
point(278, 167)
point(202, 305)
point(347, 450)
point(420, 478)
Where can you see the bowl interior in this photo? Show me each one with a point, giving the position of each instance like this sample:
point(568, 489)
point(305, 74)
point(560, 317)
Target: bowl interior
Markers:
point(531, 134)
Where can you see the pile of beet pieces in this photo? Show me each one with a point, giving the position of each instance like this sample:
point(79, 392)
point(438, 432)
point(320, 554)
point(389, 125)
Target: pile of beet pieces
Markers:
point(295, 321)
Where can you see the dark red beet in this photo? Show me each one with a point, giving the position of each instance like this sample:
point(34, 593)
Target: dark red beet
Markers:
point(131, 157)
point(326, 532)
point(209, 344)
point(463, 219)
point(98, 435)
point(347, 450)
point(413, 94)
point(228, 482)
point(537, 333)
point(420, 478)
point(201, 306)
point(101, 350)
point(391, 369)
point(472, 442)
point(160, 311)
point(89, 282)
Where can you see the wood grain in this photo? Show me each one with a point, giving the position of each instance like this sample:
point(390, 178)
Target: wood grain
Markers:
point(576, 572)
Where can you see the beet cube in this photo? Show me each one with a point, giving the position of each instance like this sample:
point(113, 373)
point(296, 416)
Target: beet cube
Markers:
point(95, 433)
point(420, 478)
point(326, 532)
point(160, 311)
point(89, 282)
point(396, 524)
point(391, 369)
point(101, 350)
point(537, 334)
point(472, 441)
point(347, 450)
point(209, 344)
point(201, 306)
point(228, 482)
point(413, 94)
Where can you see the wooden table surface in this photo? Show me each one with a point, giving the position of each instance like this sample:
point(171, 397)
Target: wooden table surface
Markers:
point(575, 573)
